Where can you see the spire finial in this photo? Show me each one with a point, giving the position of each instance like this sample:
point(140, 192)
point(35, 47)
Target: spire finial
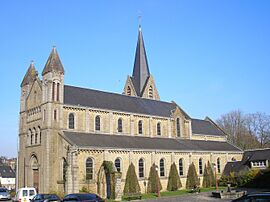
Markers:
point(140, 21)
point(32, 62)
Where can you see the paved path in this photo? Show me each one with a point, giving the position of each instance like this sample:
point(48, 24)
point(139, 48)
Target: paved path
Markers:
point(201, 197)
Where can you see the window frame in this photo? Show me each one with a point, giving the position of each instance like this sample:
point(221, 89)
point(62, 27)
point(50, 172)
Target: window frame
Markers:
point(71, 120)
point(181, 166)
point(200, 166)
point(140, 127)
point(97, 123)
point(118, 168)
point(162, 167)
point(141, 168)
point(178, 127)
point(89, 168)
point(158, 129)
point(120, 125)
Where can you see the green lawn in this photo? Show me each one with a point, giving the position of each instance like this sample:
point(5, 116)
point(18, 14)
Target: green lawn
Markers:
point(174, 193)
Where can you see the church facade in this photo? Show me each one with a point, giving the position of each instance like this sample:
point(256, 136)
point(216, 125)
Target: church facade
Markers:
point(67, 132)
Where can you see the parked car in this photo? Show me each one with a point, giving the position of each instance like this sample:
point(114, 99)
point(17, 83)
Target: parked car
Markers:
point(82, 197)
point(255, 197)
point(4, 194)
point(46, 198)
point(25, 194)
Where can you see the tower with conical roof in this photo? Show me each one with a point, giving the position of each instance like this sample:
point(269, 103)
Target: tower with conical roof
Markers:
point(141, 83)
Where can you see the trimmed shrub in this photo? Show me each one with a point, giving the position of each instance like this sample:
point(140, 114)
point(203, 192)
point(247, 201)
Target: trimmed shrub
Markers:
point(192, 177)
point(131, 185)
point(153, 181)
point(174, 182)
point(211, 175)
point(208, 176)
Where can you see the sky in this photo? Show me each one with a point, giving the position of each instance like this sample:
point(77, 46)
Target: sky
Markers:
point(210, 57)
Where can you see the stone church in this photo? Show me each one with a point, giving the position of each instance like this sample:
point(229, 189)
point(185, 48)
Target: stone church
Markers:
point(67, 132)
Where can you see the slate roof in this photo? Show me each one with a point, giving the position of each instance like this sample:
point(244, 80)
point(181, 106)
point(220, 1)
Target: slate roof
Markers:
point(53, 63)
point(205, 127)
point(141, 71)
point(256, 155)
point(30, 75)
point(113, 101)
point(6, 172)
point(148, 143)
point(234, 166)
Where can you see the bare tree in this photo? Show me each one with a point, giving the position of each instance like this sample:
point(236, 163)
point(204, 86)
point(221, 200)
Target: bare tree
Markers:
point(239, 128)
point(259, 125)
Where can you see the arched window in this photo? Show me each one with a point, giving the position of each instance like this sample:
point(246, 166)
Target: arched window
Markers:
point(141, 168)
point(39, 131)
point(97, 123)
point(178, 127)
point(200, 166)
point(140, 127)
point(117, 164)
point(33, 136)
point(58, 91)
point(158, 129)
point(120, 125)
point(128, 90)
point(89, 169)
point(36, 135)
point(181, 167)
point(233, 159)
point(161, 168)
point(218, 165)
point(71, 121)
point(53, 91)
point(150, 92)
point(29, 136)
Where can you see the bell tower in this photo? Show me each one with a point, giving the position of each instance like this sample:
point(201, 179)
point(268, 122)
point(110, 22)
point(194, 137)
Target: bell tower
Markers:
point(141, 83)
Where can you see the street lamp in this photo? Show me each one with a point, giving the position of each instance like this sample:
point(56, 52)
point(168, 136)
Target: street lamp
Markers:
point(158, 192)
point(215, 167)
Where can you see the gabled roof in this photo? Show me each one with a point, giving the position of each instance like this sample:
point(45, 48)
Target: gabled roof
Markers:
point(256, 155)
point(204, 127)
point(30, 75)
point(53, 63)
point(144, 143)
point(118, 102)
point(6, 172)
point(141, 71)
point(234, 167)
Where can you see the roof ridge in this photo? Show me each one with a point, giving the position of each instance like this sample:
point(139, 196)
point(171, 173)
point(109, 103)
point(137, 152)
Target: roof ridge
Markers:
point(119, 94)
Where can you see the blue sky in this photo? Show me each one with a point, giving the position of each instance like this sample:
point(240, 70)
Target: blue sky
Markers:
point(209, 56)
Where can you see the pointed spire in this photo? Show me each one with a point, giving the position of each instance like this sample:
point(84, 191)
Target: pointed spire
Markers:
point(141, 70)
point(30, 75)
point(53, 63)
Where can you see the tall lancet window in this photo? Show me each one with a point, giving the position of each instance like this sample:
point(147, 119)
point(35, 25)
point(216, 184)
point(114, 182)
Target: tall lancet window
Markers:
point(178, 133)
point(150, 92)
point(120, 125)
point(97, 123)
point(53, 91)
point(58, 92)
point(71, 121)
point(140, 129)
point(158, 129)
